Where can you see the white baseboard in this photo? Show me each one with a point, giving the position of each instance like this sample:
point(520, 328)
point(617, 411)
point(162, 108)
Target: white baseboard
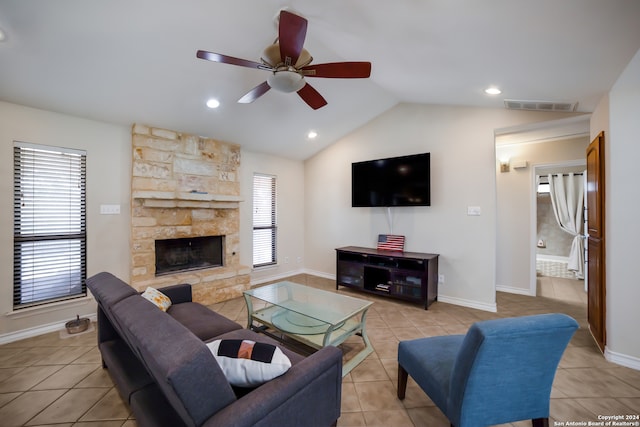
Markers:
point(450, 300)
point(469, 303)
point(622, 359)
point(320, 274)
point(35, 331)
point(281, 276)
point(512, 290)
point(271, 278)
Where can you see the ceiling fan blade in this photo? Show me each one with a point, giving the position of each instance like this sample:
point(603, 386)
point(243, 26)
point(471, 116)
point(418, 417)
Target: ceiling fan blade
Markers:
point(216, 57)
point(312, 97)
point(255, 93)
point(292, 31)
point(339, 70)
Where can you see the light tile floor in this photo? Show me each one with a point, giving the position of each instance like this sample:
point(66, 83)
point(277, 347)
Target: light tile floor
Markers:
point(48, 380)
point(569, 290)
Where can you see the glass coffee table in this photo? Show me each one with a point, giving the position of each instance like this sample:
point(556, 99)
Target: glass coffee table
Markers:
point(309, 316)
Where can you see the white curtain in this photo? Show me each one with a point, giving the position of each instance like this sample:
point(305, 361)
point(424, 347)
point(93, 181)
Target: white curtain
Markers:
point(567, 199)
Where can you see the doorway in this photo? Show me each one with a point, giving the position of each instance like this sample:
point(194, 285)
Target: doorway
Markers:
point(551, 244)
point(523, 149)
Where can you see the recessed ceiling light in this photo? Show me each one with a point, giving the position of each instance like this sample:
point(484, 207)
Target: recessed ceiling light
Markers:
point(492, 91)
point(3, 35)
point(213, 103)
point(312, 134)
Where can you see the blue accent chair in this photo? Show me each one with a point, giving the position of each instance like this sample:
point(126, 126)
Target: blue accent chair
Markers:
point(501, 371)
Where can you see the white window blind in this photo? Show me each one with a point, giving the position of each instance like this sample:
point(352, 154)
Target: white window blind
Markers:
point(264, 220)
point(49, 206)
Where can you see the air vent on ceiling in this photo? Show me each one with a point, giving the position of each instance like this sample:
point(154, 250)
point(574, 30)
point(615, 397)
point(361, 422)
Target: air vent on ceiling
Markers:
point(517, 104)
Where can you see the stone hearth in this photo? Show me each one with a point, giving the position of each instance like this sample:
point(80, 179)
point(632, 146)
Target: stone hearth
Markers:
point(185, 186)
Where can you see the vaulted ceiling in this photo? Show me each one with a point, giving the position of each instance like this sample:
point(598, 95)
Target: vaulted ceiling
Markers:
point(134, 61)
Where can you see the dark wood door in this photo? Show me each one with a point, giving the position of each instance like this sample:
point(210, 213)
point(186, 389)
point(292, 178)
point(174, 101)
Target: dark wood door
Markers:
point(596, 307)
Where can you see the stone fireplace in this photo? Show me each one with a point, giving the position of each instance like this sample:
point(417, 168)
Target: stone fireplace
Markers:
point(185, 197)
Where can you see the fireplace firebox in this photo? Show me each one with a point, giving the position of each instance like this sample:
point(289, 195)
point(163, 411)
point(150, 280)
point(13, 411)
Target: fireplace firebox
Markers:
point(190, 253)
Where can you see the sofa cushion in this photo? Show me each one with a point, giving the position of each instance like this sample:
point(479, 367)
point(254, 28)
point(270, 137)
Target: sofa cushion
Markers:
point(156, 297)
point(181, 364)
point(247, 363)
point(204, 323)
point(108, 289)
point(178, 293)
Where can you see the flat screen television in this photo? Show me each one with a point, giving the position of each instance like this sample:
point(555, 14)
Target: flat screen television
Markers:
point(394, 181)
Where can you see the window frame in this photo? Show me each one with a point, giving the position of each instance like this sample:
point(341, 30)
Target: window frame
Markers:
point(50, 224)
point(259, 225)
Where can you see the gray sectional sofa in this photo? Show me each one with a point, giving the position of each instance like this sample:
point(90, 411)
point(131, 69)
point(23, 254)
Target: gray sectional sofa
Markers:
point(163, 369)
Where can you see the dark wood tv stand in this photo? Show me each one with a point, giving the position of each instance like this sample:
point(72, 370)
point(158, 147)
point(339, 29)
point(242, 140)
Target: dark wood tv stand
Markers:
point(410, 276)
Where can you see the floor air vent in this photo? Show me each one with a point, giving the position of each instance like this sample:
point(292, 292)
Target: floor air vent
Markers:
point(515, 104)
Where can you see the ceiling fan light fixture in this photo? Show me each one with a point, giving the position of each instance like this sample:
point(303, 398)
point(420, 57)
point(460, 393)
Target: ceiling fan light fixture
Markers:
point(286, 81)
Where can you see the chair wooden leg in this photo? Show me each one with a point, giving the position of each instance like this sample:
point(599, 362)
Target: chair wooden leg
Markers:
point(402, 382)
point(540, 422)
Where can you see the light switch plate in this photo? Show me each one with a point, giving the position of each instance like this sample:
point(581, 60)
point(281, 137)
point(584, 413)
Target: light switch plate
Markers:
point(110, 209)
point(474, 210)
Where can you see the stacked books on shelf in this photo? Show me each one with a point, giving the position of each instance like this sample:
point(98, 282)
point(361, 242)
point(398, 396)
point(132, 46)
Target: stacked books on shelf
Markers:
point(383, 287)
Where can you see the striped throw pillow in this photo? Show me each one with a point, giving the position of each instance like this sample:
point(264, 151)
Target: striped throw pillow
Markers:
point(247, 363)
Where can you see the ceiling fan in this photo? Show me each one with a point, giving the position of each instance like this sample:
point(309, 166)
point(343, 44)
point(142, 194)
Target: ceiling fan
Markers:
point(289, 64)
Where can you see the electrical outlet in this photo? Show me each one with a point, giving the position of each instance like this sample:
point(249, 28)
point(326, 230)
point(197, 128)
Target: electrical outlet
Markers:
point(441, 278)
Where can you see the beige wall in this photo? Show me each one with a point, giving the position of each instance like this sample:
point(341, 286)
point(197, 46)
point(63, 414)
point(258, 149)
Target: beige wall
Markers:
point(461, 143)
point(108, 172)
point(515, 197)
point(290, 213)
point(618, 116)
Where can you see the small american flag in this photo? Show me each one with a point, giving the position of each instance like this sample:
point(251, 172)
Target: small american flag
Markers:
point(390, 242)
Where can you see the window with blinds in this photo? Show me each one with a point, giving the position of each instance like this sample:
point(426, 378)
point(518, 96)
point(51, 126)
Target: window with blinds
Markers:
point(264, 220)
point(49, 228)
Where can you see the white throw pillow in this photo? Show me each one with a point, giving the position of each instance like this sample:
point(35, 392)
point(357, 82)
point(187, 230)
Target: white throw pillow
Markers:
point(247, 363)
point(162, 301)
